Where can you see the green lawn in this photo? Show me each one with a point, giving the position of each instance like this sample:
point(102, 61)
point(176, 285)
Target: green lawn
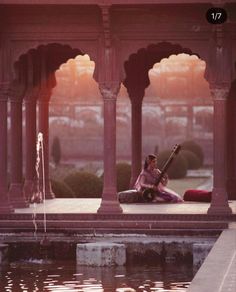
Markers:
point(181, 185)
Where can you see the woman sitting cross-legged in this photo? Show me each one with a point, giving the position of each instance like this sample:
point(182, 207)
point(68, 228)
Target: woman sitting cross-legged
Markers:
point(147, 180)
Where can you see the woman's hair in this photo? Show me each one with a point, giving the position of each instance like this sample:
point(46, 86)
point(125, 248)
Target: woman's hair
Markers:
point(148, 159)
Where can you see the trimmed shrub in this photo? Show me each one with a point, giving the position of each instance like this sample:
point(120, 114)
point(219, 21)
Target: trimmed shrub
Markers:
point(195, 148)
point(84, 184)
point(123, 171)
point(178, 167)
point(192, 159)
point(61, 189)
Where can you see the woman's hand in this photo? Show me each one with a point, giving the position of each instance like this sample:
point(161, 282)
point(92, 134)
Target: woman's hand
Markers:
point(164, 180)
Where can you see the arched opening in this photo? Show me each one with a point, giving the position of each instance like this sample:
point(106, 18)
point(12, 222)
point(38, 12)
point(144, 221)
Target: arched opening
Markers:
point(33, 84)
point(137, 82)
point(181, 93)
point(76, 112)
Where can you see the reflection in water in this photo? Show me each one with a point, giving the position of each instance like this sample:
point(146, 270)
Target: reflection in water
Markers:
point(65, 276)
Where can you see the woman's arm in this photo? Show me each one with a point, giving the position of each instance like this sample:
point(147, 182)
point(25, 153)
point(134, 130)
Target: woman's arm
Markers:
point(144, 184)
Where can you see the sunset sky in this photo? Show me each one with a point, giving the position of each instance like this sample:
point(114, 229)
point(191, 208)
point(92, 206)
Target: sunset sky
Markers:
point(174, 77)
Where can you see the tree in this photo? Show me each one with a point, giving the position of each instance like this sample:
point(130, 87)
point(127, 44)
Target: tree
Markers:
point(56, 150)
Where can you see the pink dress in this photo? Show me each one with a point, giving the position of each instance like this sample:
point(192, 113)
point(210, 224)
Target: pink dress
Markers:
point(147, 179)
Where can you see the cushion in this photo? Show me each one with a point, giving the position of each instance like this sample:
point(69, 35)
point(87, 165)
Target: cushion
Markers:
point(197, 196)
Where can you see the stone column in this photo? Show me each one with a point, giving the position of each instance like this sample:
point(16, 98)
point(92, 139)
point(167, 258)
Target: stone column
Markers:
point(231, 143)
point(30, 146)
point(16, 193)
point(219, 203)
point(43, 104)
point(110, 203)
point(136, 139)
point(5, 206)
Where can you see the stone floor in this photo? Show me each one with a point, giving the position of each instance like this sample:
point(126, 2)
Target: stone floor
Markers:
point(82, 206)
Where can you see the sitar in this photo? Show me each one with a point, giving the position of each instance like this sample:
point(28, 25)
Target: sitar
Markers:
point(148, 194)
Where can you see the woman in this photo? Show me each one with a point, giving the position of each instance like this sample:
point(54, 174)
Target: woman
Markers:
point(147, 179)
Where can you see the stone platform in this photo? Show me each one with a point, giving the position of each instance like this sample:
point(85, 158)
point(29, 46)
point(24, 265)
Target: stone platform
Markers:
point(70, 218)
point(80, 216)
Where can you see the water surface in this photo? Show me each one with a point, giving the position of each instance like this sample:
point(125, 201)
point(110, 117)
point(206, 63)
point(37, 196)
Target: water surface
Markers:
point(38, 275)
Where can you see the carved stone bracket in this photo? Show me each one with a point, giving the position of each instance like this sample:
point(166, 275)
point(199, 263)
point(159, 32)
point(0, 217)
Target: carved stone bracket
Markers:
point(109, 90)
point(106, 24)
point(219, 93)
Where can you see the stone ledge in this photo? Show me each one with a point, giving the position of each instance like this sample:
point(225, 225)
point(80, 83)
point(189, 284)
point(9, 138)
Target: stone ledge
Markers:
point(218, 266)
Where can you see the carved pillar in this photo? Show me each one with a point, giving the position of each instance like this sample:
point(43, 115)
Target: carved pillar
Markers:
point(30, 145)
point(231, 142)
point(43, 106)
point(16, 193)
point(5, 206)
point(136, 138)
point(110, 203)
point(219, 203)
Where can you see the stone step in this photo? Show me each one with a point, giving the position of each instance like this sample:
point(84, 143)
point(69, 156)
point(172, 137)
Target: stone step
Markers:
point(16, 225)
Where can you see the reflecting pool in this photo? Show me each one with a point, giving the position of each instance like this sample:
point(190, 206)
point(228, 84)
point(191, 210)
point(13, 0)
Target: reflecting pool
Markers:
point(38, 275)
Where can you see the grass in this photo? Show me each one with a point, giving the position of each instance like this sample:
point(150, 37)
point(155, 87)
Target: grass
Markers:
point(181, 185)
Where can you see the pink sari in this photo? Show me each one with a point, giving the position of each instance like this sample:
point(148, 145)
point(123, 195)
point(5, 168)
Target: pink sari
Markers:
point(147, 179)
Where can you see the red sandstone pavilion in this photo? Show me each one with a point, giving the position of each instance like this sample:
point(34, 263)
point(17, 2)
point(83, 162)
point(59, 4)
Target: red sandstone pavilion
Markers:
point(125, 38)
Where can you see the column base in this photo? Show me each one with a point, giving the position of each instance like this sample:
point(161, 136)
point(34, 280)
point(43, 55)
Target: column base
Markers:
point(16, 196)
point(108, 207)
point(48, 190)
point(219, 203)
point(219, 210)
point(29, 187)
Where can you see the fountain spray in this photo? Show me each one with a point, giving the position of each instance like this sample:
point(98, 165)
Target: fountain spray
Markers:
point(40, 195)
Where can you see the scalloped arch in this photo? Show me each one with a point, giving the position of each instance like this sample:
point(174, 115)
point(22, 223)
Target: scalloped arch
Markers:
point(139, 63)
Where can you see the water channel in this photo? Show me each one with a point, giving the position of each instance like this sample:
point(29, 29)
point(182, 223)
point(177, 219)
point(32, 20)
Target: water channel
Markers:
point(40, 275)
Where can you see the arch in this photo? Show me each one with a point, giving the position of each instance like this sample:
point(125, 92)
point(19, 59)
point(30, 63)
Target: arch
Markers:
point(139, 63)
point(29, 66)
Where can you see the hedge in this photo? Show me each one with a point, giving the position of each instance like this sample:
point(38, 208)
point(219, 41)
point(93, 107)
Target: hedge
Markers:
point(84, 184)
point(195, 148)
point(192, 159)
point(178, 167)
point(61, 189)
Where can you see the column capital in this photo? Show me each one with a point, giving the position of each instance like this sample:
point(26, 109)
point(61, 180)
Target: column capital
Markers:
point(4, 90)
point(219, 93)
point(16, 91)
point(109, 90)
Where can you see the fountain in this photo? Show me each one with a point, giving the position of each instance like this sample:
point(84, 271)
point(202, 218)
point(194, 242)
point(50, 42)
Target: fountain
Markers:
point(39, 195)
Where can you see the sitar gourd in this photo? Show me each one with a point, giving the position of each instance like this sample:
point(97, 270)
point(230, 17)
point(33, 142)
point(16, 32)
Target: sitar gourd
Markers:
point(148, 194)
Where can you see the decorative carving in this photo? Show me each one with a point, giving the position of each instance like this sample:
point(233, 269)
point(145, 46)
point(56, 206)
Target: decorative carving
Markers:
point(219, 93)
point(109, 90)
point(4, 91)
point(106, 24)
point(16, 91)
point(219, 69)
